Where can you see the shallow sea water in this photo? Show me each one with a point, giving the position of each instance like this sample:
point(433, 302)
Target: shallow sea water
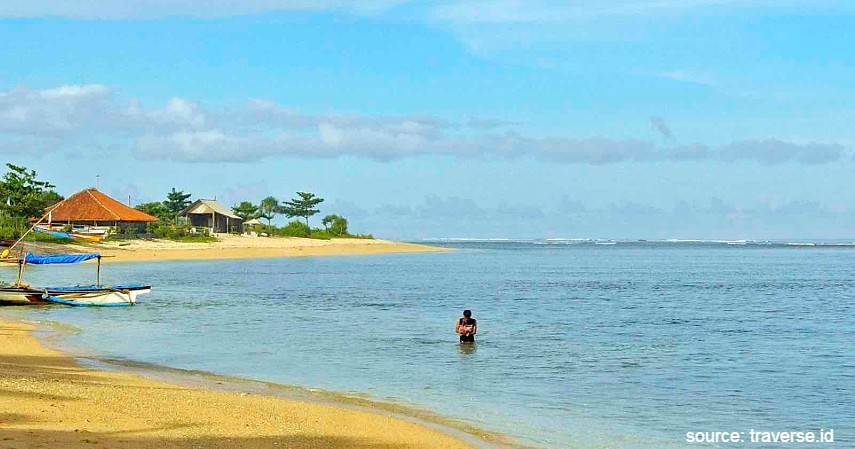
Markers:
point(580, 345)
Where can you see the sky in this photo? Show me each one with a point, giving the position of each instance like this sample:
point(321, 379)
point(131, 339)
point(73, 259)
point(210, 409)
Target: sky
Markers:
point(712, 119)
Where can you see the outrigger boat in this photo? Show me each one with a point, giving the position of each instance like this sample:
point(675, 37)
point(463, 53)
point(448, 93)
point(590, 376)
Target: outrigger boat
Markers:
point(20, 294)
point(80, 295)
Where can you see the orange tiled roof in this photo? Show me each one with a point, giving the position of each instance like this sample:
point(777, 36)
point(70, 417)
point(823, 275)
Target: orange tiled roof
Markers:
point(92, 205)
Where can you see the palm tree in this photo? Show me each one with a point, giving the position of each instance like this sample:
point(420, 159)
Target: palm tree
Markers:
point(269, 208)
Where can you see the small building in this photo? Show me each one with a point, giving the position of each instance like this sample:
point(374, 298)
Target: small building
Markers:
point(213, 215)
point(92, 208)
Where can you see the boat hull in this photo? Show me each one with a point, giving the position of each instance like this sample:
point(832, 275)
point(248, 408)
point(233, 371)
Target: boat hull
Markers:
point(20, 295)
point(95, 295)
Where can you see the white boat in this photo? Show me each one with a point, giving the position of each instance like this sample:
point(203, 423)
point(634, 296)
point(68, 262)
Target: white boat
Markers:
point(96, 295)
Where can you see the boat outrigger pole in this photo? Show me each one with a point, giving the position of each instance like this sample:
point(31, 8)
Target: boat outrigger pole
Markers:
point(20, 280)
point(98, 271)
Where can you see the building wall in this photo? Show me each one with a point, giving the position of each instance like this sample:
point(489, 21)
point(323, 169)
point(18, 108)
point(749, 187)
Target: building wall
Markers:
point(222, 224)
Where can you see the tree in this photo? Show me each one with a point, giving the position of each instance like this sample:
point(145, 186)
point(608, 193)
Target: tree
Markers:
point(335, 224)
point(49, 198)
point(304, 206)
point(269, 208)
point(22, 195)
point(328, 220)
point(156, 209)
point(175, 202)
point(246, 210)
point(339, 226)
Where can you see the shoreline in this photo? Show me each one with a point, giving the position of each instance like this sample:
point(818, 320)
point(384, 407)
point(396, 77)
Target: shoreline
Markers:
point(229, 247)
point(54, 396)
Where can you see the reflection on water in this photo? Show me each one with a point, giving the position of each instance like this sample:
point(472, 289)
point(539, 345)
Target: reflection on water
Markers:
point(589, 346)
point(467, 349)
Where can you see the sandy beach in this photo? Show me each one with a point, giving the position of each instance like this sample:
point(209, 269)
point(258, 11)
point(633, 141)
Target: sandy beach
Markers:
point(48, 400)
point(242, 247)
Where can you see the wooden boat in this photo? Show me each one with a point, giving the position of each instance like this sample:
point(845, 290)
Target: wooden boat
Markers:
point(12, 294)
point(90, 237)
point(97, 294)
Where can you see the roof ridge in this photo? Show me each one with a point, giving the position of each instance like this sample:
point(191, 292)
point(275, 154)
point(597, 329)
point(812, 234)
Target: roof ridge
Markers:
point(102, 204)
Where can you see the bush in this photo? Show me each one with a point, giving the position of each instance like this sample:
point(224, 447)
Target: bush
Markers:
point(181, 233)
point(320, 235)
point(295, 229)
point(13, 227)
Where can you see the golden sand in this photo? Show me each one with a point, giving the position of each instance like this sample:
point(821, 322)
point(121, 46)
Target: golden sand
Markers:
point(247, 247)
point(49, 401)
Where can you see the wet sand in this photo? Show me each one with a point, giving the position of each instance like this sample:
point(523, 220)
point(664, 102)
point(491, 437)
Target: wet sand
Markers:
point(48, 400)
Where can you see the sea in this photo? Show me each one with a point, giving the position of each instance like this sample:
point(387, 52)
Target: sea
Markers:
point(581, 343)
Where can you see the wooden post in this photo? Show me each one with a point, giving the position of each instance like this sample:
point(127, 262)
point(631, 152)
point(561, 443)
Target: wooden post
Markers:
point(21, 263)
point(98, 272)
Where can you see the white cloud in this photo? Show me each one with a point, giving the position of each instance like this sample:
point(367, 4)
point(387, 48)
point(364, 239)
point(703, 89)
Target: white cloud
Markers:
point(74, 117)
point(52, 112)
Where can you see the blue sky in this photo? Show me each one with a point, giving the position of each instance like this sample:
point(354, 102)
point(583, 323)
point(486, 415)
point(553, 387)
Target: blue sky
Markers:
point(503, 118)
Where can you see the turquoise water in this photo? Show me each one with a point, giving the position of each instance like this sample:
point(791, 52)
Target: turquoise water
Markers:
point(590, 346)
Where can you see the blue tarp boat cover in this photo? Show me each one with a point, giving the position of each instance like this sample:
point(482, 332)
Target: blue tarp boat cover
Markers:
point(45, 259)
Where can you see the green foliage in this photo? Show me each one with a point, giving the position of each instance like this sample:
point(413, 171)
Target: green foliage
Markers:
point(155, 209)
point(319, 234)
point(22, 195)
point(13, 227)
point(246, 210)
point(335, 225)
point(294, 229)
point(304, 206)
point(49, 198)
point(165, 230)
point(269, 208)
point(175, 202)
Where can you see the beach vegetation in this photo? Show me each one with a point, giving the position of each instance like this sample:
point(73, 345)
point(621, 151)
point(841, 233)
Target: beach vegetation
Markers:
point(304, 206)
point(176, 200)
point(294, 228)
point(22, 194)
point(12, 227)
point(155, 209)
point(269, 208)
point(180, 233)
point(246, 210)
point(335, 225)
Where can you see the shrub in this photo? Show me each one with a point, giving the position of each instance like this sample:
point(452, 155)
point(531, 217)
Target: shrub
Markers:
point(12, 227)
point(320, 235)
point(295, 229)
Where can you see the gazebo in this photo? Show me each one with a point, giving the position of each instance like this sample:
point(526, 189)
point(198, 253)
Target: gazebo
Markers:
point(90, 207)
point(213, 215)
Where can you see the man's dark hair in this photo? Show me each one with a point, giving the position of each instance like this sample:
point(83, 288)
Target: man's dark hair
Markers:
point(467, 313)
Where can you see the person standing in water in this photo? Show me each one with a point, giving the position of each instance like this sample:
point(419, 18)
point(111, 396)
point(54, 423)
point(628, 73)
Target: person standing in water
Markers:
point(466, 327)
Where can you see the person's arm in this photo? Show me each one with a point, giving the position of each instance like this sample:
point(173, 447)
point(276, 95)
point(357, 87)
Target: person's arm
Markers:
point(457, 327)
point(474, 328)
